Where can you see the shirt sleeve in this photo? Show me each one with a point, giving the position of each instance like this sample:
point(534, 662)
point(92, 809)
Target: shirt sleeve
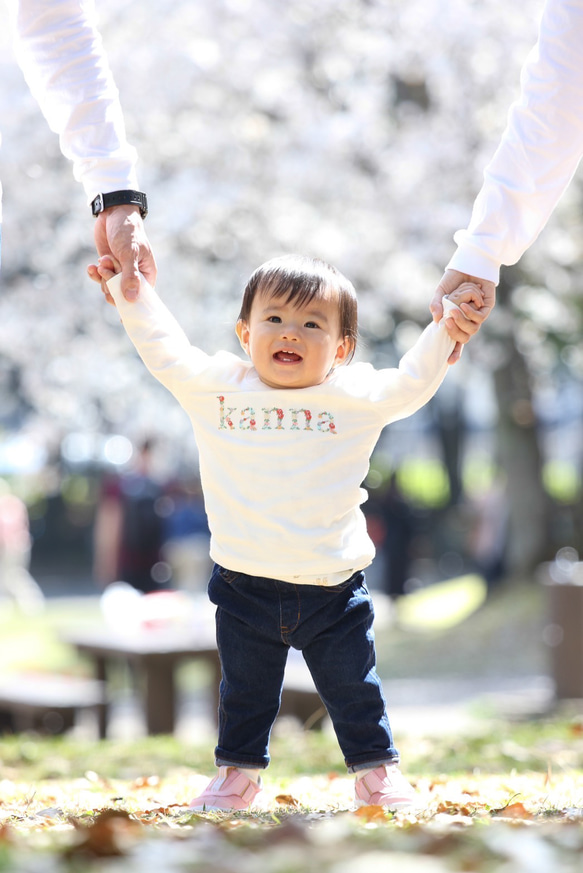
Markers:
point(400, 391)
point(538, 153)
point(61, 54)
point(164, 347)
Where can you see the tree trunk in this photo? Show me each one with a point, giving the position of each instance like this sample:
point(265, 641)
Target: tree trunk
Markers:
point(520, 458)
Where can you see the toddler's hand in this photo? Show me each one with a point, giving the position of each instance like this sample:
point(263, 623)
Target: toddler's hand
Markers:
point(467, 295)
point(106, 268)
point(470, 299)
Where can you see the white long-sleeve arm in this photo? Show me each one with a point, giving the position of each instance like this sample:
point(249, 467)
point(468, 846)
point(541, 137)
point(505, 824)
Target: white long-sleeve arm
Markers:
point(404, 389)
point(63, 60)
point(538, 153)
point(159, 339)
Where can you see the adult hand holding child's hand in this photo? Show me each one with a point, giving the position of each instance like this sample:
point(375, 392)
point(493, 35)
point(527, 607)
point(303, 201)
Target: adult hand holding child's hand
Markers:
point(461, 326)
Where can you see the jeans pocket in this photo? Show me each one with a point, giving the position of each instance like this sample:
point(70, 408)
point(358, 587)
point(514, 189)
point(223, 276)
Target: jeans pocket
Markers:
point(355, 581)
point(228, 576)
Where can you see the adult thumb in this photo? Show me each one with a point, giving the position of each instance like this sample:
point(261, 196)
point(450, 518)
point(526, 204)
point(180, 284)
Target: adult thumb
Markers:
point(130, 280)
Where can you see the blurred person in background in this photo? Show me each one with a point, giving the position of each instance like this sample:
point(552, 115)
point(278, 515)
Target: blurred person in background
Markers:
point(399, 531)
point(129, 528)
point(391, 525)
point(16, 583)
point(186, 546)
point(488, 536)
point(61, 54)
point(534, 163)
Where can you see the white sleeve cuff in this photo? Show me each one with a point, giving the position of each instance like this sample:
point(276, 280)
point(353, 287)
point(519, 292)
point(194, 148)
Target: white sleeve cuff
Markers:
point(471, 261)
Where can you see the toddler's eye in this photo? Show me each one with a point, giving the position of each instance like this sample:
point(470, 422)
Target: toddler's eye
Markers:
point(274, 319)
point(310, 324)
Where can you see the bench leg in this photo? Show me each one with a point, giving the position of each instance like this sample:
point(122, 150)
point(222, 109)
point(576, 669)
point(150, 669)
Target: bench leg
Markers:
point(160, 696)
point(102, 708)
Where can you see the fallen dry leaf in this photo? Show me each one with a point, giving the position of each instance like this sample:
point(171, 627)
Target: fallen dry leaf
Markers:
point(287, 800)
point(106, 836)
point(451, 806)
point(372, 812)
point(151, 816)
point(513, 810)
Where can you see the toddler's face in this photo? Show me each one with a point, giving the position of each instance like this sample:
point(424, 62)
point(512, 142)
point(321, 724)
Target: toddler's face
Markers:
point(290, 346)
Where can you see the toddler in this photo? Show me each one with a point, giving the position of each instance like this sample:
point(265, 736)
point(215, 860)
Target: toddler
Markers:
point(284, 441)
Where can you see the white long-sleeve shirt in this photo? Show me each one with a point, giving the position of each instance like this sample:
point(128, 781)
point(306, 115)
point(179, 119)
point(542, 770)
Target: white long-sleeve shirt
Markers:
point(61, 55)
point(538, 153)
point(281, 469)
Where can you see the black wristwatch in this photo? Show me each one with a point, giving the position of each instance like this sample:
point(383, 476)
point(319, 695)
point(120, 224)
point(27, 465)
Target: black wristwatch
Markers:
point(120, 198)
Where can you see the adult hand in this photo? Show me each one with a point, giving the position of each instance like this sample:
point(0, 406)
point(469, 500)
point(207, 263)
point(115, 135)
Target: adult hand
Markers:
point(461, 326)
point(119, 232)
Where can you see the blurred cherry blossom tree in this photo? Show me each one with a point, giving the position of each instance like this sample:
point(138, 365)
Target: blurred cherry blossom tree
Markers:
point(355, 130)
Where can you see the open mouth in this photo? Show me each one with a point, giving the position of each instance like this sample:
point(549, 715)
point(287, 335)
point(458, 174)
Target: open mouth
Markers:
point(285, 357)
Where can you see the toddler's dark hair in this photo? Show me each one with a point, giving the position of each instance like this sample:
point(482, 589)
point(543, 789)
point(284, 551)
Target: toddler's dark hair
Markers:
point(299, 280)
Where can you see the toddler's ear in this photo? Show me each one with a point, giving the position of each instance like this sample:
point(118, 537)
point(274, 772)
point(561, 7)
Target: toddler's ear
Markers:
point(344, 350)
point(242, 331)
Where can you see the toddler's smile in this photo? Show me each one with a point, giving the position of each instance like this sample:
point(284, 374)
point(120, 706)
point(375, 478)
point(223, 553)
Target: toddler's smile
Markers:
point(294, 346)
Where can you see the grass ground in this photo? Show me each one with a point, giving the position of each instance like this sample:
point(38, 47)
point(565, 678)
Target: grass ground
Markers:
point(505, 798)
point(503, 636)
point(76, 806)
point(31, 642)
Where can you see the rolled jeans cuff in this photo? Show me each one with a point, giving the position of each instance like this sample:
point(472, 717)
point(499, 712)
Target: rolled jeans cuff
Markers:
point(243, 765)
point(372, 765)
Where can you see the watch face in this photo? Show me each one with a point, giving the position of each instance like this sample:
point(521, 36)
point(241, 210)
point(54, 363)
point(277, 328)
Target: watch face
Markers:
point(97, 205)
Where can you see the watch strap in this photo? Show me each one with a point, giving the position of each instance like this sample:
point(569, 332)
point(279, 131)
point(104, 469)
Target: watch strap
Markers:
point(120, 198)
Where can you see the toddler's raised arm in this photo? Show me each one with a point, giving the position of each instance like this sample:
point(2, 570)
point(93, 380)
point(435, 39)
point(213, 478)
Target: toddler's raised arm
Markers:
point(158, 337)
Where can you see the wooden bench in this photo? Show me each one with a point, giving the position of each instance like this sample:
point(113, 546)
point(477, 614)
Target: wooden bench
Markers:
point(47, 703)
point(155, 656)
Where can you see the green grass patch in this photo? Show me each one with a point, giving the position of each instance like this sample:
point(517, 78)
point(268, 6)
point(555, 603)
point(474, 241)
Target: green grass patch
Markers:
point(502, 637)
point(503, 746)
point(442, 605)
point(424, 482)
point(32, 643)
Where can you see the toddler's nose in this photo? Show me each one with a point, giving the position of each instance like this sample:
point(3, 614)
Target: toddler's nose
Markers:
point(289, 331)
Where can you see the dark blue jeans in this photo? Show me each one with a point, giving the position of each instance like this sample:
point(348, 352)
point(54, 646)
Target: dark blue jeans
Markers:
point(257, 621)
